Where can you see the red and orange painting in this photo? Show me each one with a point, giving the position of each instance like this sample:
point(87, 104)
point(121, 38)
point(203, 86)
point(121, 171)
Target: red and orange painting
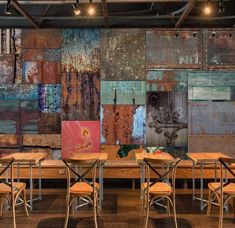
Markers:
point(80, 137)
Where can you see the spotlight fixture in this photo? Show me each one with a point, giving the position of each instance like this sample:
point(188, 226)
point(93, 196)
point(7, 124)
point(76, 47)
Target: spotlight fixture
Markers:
point(221, 6)
point(207, 8)
point(91, 9)
point(8, 8)
point(76, 8)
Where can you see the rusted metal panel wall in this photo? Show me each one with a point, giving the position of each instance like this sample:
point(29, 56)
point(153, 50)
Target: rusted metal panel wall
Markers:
point(49, 98)
point(123, 54)
point(81, 74)
point(220, 49)
point(212, 143)
point(80, 136)
point(167, 119)
point(122, 92)
point(173, 49)
point(123, 124)
point(166, 80)
point(10, 140)
point(49, 123)
point(10, 56)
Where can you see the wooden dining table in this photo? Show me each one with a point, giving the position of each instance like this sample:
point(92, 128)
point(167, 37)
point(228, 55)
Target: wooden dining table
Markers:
point(202, 159)
point(31, 159)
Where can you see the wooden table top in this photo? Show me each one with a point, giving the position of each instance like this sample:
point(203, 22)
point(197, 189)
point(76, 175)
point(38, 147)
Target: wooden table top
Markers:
point(163, 156)
point(200, 157)
point(103, 157)
point(27, 157)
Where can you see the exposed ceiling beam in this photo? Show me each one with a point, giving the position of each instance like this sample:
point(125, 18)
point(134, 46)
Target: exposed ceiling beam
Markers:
point(186, 12)
point(105, 12)
point(24, 13)
point(57, 2)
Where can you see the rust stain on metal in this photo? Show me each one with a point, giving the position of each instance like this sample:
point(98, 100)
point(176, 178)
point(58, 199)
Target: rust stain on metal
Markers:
point(49, 123)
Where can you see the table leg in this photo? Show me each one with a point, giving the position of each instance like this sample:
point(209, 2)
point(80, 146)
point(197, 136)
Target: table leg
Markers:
point(39, 181)
point(31, 186)
point(142, 178)
point(18, 171)
point(201, 186)
point(193, 174)
point(215, 171)
point(100, 182)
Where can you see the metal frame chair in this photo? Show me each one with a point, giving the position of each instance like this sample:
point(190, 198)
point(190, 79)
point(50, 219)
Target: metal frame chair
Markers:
point(223, 191)
point(159, 187)
point(81, 187)
point(11, 190)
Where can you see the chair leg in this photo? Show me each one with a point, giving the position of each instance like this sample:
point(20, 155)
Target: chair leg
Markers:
point(147, 215)
point(143, 204)
point(234, 207)
point(209, 203)
point(94, 209)
point(168, 208)
point(67, 211)
point(221, 206)
point(1, 205)
point(13, 212)
point(25, 202)
point(174, 212)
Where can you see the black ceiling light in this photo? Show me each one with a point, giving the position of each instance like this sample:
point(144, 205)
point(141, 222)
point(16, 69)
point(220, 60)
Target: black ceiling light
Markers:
point(76, 8)
point(8, 8)
point(221, 6)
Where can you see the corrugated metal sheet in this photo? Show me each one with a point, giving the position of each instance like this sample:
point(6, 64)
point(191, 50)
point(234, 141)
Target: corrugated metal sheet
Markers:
point(123, 124)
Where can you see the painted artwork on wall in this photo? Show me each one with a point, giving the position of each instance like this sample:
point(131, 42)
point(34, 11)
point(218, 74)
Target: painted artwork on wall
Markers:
point(173, 49)
point(167, 119)
point(122, 92)
point(123, 54)
point(166, 80)
point(81, 74)
point(123, 124)
point(80, 137)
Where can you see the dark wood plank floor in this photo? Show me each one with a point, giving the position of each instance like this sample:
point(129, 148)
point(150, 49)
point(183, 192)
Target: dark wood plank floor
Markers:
point(121, 209)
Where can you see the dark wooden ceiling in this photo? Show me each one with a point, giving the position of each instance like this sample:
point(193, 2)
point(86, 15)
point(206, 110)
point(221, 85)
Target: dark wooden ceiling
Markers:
point(116, 13)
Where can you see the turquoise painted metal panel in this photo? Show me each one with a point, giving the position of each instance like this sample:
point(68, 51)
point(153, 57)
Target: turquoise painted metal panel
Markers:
point(9, 117)
point(209, 93)
point(49, 98)
point(29, 117)
point(166, 80)
point(123, 92)
point(219, 78)
point(123, 54)
point(18, 92)
point(211, 117)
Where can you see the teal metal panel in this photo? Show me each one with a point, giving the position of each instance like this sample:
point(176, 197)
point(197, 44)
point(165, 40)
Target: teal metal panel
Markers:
point(125, 92)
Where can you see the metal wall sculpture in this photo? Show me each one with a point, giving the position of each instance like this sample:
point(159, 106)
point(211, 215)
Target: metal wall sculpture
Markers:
point(122, 92)
point(167, 119)
point(80, 137)
point(123, 124)
point(173, 49)
point(81, 74)
point(123, 54)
